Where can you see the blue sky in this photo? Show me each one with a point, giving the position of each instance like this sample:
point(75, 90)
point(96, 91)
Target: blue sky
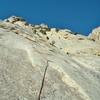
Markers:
point(77, 15)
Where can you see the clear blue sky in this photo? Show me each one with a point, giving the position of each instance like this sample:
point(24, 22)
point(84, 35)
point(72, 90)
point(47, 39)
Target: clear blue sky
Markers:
point(77, 15)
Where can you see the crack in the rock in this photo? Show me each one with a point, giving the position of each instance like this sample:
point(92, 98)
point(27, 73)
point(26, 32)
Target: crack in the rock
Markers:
point(42, 85)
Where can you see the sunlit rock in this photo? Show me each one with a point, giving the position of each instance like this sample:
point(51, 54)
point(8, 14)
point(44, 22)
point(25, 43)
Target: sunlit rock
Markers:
point(42, 63)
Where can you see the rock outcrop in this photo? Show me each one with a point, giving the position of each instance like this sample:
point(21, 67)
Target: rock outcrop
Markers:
point(95, 35)
point(42, 63)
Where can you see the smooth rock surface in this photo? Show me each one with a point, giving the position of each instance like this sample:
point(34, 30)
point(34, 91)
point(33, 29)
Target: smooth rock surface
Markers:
point(35, 58)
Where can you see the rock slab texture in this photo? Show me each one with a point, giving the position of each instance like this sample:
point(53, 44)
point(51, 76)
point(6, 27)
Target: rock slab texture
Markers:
point(42, 63)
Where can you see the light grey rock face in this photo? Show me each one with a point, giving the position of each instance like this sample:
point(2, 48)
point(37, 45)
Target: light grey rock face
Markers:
point(50, 64)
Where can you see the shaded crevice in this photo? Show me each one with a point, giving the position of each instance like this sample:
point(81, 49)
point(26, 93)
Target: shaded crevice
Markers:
point(42, 85)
